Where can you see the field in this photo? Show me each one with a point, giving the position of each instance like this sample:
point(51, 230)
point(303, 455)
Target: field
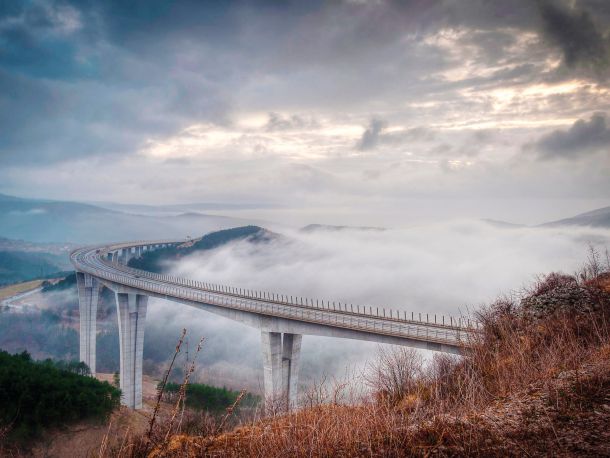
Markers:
point(18, 288)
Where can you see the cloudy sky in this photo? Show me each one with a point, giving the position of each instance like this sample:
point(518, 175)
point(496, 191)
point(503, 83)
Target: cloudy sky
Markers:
point(361, 111)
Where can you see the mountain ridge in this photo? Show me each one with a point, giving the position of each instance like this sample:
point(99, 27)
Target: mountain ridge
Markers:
point(599, 217)
point(74, 222)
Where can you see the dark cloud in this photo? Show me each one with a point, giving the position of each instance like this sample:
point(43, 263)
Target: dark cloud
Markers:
point(40, 41)
point(582, 138)
point(371, 135)
point(83, 78)
point(577, 34)
point(69, 90)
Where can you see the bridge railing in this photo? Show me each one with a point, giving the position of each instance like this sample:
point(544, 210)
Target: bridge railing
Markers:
point(304, 309)
point(378, 326)
point(345, 308)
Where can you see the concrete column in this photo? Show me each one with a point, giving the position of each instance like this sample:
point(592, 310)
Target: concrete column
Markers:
point(281, 355)
point(291, 355)
point(131, 311)
point(88, 296)
point(127, 255)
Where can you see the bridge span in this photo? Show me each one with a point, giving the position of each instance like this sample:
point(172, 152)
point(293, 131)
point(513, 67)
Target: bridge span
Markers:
point(282, 319)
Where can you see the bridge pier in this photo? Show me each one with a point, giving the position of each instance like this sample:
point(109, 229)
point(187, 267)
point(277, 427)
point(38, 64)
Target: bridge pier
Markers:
point(131, 311)
point(281, 360)
point(89, 289)
point(126, 255)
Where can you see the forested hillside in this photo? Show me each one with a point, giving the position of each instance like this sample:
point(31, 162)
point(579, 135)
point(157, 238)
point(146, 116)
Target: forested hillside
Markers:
point(153, 261)
point(19, 266)
point(200, 396)
point(35, 396)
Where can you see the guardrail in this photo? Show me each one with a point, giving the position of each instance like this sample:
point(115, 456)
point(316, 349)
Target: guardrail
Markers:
point(93, 260)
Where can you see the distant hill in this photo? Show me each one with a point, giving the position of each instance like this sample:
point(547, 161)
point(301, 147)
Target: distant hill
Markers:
point(153, 261)
point(33, 247)
point(595, 218)
point(502, 224)
point(179, 208)
point(40, 220)
point(22, 261)
point(18, 266)
point(329, 227)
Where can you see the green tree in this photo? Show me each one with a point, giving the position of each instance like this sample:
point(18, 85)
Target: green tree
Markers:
point(37, 395)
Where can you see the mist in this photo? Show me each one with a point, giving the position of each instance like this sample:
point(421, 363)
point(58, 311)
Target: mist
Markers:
point(451, 268)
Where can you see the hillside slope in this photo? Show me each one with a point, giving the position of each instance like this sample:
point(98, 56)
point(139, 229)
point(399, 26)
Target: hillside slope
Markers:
point(19, 266)
point(567, 414)
point(536, 382)
point(595, 218)
point(154, 261)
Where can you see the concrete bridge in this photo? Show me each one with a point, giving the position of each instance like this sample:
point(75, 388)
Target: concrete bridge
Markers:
point(282, 319)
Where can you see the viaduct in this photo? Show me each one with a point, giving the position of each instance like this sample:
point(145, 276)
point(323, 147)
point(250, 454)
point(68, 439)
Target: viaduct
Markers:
point(282, 320)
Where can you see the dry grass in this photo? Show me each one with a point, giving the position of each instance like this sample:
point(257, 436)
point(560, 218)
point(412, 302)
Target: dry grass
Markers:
point(18, 288)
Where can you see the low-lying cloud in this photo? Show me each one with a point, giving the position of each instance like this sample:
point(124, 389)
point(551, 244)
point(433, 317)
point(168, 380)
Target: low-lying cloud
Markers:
point(446, 268)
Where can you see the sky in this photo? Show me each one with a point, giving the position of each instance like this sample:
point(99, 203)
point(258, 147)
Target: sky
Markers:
point(362, 112)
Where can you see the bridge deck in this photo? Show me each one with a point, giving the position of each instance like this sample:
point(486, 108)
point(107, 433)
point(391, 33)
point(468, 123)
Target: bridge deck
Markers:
point(93, 260)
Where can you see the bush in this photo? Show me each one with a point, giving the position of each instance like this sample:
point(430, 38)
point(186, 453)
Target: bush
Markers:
point(210, 398)
point(38, 395)
point(558, 292)
point(395, 373)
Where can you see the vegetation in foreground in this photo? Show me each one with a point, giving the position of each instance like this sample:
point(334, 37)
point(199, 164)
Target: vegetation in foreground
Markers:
point(35, 396)
point(536, 381)
point(215, 400)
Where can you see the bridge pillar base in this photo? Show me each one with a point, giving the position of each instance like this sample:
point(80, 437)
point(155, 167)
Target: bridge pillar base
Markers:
point(89, 289)
point(281, 360)
point(131, 311)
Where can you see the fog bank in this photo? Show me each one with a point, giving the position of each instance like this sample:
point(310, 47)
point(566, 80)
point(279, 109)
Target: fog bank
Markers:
point(444, 268)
